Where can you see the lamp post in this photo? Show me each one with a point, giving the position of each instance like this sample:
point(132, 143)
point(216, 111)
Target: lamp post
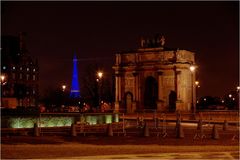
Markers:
point(3, 78)
point(63, 94)
point(197, 86)
point(193, 105)
point(99, 80)
point(238, 91)
point(3, 82)
point(63, 87)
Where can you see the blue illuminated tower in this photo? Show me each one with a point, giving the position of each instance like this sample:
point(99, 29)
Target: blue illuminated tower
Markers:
point(75, 91)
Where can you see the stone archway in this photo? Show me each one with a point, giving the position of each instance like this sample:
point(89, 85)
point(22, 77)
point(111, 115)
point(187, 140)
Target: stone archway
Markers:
point(172, 100)
point(128, 102)
point(150, 93)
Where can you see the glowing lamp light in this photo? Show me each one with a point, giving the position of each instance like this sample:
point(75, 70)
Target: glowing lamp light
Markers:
point(196, 83)
point(2, 78)
point(229, 95)
point(192, 68)
point(64, 87)
point(100, 74)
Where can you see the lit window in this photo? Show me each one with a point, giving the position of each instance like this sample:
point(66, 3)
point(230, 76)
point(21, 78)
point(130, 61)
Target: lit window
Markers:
point(4, 67)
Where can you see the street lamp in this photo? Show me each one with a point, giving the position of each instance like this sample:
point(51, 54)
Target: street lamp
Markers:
point(238, 91)
point(197, 85)
point(238, 88)
point(100, 75)
point(63, 95)
point(3, 78)
point(3, 82)
point(63, 87)
point(193, 106)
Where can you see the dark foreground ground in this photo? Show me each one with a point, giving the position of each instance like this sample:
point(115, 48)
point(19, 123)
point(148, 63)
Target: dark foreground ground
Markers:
point(95, 147)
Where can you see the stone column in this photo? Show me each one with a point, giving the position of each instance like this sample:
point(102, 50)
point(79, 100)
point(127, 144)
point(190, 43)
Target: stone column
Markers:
point(179, 103)
point(160, 102)
point(117, 92)
point(194, 91)
point(135, 94)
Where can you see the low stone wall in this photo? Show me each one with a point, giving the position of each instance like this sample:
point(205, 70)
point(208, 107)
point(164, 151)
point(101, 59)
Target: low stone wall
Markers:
point(219, 115)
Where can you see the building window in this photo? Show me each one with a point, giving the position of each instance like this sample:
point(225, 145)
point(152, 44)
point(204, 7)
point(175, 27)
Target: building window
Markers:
point(27, 77)
point(34, 77)
point(13, 75)
point(20, 76)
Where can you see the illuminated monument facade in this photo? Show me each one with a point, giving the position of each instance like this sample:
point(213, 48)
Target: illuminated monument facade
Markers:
point(154, 77)
point(75, 91)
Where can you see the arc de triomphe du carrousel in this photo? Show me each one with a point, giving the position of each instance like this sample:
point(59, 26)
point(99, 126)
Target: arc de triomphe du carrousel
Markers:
point(155, 77)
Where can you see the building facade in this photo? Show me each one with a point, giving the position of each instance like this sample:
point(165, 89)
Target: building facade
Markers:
point(19, 73)
point(154, 77)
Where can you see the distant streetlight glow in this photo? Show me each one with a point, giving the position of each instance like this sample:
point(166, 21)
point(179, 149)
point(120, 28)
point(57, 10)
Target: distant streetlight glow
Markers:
point(197, 83)
point(2, 78)
point(64, 87)
point(192, 68)
point(229, 95)
point(238, 88)
point(100, 74)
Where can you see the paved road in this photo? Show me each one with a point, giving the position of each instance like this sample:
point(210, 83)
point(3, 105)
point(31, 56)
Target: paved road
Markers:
point(168, 156)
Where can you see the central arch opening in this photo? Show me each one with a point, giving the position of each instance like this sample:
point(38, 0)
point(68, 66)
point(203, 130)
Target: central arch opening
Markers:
point(150, 93)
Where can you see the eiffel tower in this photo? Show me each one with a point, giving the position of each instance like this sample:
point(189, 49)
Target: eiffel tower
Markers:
point(75, 91)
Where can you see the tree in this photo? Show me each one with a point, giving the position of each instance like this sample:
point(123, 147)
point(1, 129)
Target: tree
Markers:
point(93, 88)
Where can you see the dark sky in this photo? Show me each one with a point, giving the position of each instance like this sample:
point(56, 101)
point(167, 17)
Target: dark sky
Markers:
point(97, 30)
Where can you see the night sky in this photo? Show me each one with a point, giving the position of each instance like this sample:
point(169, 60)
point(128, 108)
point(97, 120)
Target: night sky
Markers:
point(98, 30)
